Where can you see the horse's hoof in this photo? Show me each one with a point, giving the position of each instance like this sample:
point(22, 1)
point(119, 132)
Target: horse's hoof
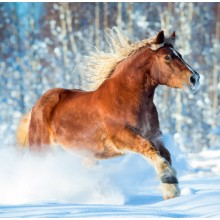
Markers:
point(166, 197)
point(170, 191)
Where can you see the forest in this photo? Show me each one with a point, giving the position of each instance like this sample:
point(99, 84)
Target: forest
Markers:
point(43, 45)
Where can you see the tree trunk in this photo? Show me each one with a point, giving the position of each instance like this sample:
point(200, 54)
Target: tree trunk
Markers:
point(119, 17)
point(97, 24)
point(69, 28)
point(105, 14)
point(216, 66)
point(130, 17)
point(64, 33)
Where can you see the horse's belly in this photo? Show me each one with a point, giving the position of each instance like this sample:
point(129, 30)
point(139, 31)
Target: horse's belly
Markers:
point(81, 135)
point(78, 137)
point(93, 141)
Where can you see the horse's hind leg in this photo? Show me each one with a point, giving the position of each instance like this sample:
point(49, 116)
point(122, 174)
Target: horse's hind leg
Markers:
point(40, 135)
point(126, 139)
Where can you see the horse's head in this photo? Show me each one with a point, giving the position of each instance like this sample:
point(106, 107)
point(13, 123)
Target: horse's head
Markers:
point(169, 68)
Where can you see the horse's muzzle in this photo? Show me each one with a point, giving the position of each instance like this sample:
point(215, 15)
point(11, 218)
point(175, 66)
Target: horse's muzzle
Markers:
point(194, 80)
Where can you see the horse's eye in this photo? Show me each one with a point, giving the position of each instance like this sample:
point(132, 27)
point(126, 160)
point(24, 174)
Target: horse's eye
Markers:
point(167, 58)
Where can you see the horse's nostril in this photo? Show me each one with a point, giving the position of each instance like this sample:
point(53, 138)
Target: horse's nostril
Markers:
point(193, 79)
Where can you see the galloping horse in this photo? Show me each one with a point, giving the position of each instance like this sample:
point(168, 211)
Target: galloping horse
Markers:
point(119, 115)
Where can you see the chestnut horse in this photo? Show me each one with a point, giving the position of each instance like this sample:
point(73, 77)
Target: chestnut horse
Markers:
point(119, 115)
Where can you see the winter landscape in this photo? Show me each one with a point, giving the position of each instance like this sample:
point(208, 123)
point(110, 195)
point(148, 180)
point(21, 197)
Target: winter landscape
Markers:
point(42, 47)
point(60, 185)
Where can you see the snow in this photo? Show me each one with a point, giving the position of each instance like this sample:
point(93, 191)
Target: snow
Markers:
point(60, 184)
point(204, 202)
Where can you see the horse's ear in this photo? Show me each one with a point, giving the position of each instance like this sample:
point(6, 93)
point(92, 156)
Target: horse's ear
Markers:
point(172, 39)
point(173, 35)
point(160, 38)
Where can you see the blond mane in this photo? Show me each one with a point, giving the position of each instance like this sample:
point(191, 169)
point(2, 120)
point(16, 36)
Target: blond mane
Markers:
point(99, 65)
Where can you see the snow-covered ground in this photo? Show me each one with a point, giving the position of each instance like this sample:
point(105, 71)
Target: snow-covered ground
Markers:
point(60, 184)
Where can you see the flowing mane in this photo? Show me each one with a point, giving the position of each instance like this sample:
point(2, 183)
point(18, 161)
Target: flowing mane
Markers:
point(99, 65)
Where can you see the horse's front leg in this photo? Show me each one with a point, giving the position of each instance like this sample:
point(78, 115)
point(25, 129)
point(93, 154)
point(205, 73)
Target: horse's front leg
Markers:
point(167, 178)
point(126, 139)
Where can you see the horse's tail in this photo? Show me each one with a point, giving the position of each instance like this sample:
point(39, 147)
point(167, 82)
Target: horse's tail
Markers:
point(23, 129)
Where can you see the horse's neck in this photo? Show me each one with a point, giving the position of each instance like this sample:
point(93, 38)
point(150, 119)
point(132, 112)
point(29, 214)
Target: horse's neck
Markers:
point(134, 76)
point(131, 89)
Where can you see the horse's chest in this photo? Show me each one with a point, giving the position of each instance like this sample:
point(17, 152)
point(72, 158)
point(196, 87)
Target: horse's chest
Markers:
point(148, 122)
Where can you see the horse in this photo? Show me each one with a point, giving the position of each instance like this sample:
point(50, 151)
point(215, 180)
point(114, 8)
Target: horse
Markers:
point(118, 115)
